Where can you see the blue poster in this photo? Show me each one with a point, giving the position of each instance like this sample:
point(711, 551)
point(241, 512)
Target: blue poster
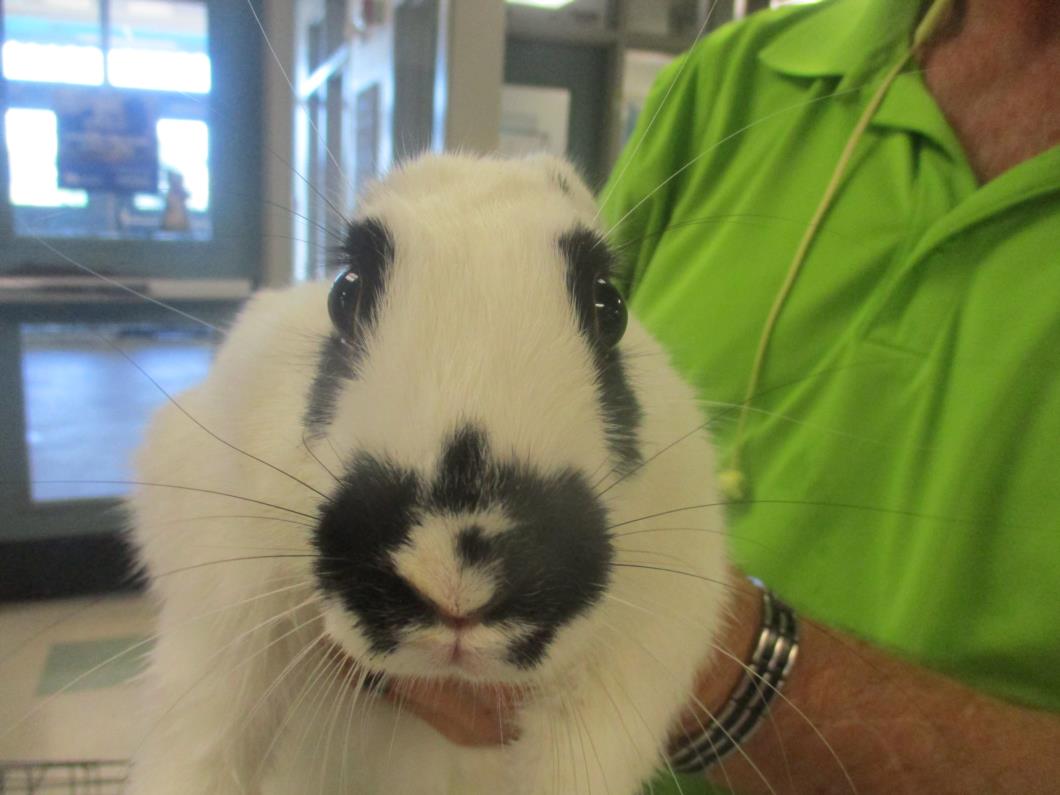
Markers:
point(107, 141)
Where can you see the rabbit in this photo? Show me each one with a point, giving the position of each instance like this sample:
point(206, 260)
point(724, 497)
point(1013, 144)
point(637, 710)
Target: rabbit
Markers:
point(425, 470)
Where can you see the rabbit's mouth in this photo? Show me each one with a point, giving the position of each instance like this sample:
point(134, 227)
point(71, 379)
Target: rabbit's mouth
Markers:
point(474, 570)
point(478, 652)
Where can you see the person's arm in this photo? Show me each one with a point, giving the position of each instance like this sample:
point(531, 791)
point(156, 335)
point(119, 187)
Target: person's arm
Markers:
point(850, 709)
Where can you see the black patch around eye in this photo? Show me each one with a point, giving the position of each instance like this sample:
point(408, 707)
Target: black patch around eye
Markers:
point(367, 253)
point(334, 365)
point(622, 412)
point(589, 260)
point(366, 256)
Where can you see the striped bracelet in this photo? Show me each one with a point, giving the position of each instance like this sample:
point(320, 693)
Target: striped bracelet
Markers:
point(773, 658)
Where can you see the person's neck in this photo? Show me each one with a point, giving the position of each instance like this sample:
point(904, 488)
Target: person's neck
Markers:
point(992, 68)
point(1011, 23)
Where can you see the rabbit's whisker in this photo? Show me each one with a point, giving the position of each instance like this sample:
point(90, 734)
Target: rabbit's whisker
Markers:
point(651, 458)
point(651, 122)
point(176, 404)
point(323, 666)
point(726, 653)
point(149, 484)
point(695, 700)
point(294, 94)
point(345, 685)
point(142, 645)
point(216, 517)
point(277, 680)
point(596, 753)
point(320, 701)
point(226, 647)
point(660, 742)
point(316, 224)
point(205, 563)
point(309, 449)
point(358, 689)
point(734, 135)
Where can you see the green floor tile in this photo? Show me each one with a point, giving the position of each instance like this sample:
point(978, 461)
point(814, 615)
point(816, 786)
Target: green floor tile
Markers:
point(93, 664)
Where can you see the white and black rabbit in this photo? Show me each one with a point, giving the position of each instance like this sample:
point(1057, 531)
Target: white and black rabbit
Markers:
point(450, 439)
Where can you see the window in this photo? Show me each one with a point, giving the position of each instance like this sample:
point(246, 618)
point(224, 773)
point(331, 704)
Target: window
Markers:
point(107, 122)
point(32, 137)
point(49, 41)
point(158, 45)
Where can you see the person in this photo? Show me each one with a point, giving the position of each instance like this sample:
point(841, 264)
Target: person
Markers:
point(898, 457)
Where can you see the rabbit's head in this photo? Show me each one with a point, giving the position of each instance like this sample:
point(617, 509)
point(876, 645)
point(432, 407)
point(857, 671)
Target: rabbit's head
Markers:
point(498, 416)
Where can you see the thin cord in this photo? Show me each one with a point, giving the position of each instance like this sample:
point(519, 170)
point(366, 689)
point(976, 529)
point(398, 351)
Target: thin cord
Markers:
point(733, 480)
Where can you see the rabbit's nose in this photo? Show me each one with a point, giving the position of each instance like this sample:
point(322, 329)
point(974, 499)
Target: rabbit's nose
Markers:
point(457, 621)
point(453, 618)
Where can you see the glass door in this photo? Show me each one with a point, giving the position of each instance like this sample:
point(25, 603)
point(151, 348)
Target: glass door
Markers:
point(129, 175)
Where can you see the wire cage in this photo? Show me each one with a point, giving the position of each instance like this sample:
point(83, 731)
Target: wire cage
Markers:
point(87, 777)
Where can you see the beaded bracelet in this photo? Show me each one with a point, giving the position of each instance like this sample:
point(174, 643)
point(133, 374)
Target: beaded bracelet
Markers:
point(772, 660)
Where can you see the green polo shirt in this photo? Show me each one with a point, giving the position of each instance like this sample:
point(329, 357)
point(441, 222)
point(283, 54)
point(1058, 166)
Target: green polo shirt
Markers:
point(903, 452)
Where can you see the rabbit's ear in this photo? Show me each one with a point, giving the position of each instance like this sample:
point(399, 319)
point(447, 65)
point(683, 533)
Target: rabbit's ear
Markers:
point(560, 173)
point(563, 175)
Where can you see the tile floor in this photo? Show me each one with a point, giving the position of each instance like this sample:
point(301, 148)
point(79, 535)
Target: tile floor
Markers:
point(86, 405)
point(64, 694)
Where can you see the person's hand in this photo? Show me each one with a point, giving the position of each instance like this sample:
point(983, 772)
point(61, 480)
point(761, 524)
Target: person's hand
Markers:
point(466, 714)
point(476, 715)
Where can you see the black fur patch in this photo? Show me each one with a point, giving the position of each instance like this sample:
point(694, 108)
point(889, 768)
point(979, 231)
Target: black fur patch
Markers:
point(556, 558)
point(369, 250)
point(588, 258)
point(368, 518)
point(334, 365)
point(461, 484)
point(554, 561)
point(528, 652)
point(473, 547)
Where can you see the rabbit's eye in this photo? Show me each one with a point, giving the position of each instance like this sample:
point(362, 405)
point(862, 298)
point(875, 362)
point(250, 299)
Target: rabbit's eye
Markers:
point(366, 256)
point(610, 312)
point(344, 301)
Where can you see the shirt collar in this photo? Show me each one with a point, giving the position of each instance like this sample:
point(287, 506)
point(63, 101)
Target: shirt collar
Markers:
point(857, 41)
point(851, 39)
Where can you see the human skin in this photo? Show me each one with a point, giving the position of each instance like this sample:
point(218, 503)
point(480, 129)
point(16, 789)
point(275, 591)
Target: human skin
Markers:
point(852, 713)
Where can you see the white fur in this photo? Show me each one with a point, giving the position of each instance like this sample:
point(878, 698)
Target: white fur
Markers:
point(476, 325)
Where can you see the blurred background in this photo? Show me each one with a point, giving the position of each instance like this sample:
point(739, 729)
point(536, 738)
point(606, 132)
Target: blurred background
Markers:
point(195, 150)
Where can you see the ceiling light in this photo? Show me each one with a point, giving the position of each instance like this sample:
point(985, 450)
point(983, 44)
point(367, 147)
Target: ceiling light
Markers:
point(551, 5)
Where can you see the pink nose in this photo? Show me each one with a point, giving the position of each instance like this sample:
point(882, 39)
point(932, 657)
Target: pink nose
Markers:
point(455, 621)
